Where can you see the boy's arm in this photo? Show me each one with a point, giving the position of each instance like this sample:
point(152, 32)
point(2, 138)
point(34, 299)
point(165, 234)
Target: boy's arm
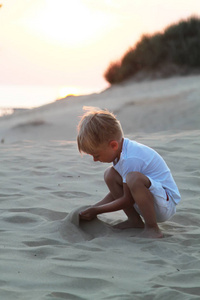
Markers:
point(107, 199)
point(121, 203)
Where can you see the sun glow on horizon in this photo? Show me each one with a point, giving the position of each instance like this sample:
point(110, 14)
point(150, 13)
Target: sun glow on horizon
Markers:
point(68, 91)
point(67, 22)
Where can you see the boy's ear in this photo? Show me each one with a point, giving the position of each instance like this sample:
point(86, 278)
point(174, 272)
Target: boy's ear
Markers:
point(114, 145)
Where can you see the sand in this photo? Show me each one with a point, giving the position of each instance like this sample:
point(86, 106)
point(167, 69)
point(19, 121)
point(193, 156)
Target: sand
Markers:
point(45, 252)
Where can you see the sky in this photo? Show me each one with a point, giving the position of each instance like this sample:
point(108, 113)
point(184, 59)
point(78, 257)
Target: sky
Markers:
point(70, 43)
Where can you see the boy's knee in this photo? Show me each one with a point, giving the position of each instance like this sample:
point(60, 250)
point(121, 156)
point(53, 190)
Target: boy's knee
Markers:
point(108, 174)
point(137, 179)
point(133, 177)
point(111, 175)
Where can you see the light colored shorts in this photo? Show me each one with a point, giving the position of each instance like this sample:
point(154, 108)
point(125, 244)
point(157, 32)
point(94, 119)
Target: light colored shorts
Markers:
point(164, 205)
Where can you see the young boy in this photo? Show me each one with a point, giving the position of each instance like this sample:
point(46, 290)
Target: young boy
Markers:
point(139, 180)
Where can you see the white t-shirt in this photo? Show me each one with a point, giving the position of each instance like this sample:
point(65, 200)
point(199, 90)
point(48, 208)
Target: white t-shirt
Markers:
point(136, 157)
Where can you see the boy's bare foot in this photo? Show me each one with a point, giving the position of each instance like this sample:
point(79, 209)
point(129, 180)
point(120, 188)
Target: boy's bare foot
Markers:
point(151, 233)
point(129, 224)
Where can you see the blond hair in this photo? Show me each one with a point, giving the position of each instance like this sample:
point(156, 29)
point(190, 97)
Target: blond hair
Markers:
point(96, 128)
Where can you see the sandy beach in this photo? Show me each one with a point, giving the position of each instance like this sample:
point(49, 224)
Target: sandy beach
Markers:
point(45, 252)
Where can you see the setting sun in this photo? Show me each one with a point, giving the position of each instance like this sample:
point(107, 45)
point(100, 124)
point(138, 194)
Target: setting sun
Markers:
point(49, 46)
point(66, 22)
point(67, 91)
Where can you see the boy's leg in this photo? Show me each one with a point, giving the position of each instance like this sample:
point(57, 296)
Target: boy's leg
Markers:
point(114, 182)
point(115, 185)
point(139, 186)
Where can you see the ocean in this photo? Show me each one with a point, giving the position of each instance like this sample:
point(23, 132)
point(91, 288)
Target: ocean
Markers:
point(12, 97)
point(26, 97)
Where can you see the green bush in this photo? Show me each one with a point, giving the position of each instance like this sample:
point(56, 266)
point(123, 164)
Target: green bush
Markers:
point(179, 44)
point(112, 73)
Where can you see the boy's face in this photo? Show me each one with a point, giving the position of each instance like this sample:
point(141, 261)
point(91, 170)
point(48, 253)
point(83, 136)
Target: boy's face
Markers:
point(106, 153)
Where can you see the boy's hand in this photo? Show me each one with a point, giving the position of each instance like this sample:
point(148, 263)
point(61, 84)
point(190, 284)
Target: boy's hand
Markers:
point(88, 214)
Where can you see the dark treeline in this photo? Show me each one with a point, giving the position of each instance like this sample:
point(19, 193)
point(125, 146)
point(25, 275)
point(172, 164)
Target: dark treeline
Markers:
point(178, 45)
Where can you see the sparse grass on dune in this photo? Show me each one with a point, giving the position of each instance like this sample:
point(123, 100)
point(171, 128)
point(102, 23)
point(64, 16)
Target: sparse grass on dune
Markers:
point(175, 50)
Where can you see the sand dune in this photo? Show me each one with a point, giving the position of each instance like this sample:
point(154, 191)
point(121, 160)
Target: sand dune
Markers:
point(151, 106)
point(45, 252)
